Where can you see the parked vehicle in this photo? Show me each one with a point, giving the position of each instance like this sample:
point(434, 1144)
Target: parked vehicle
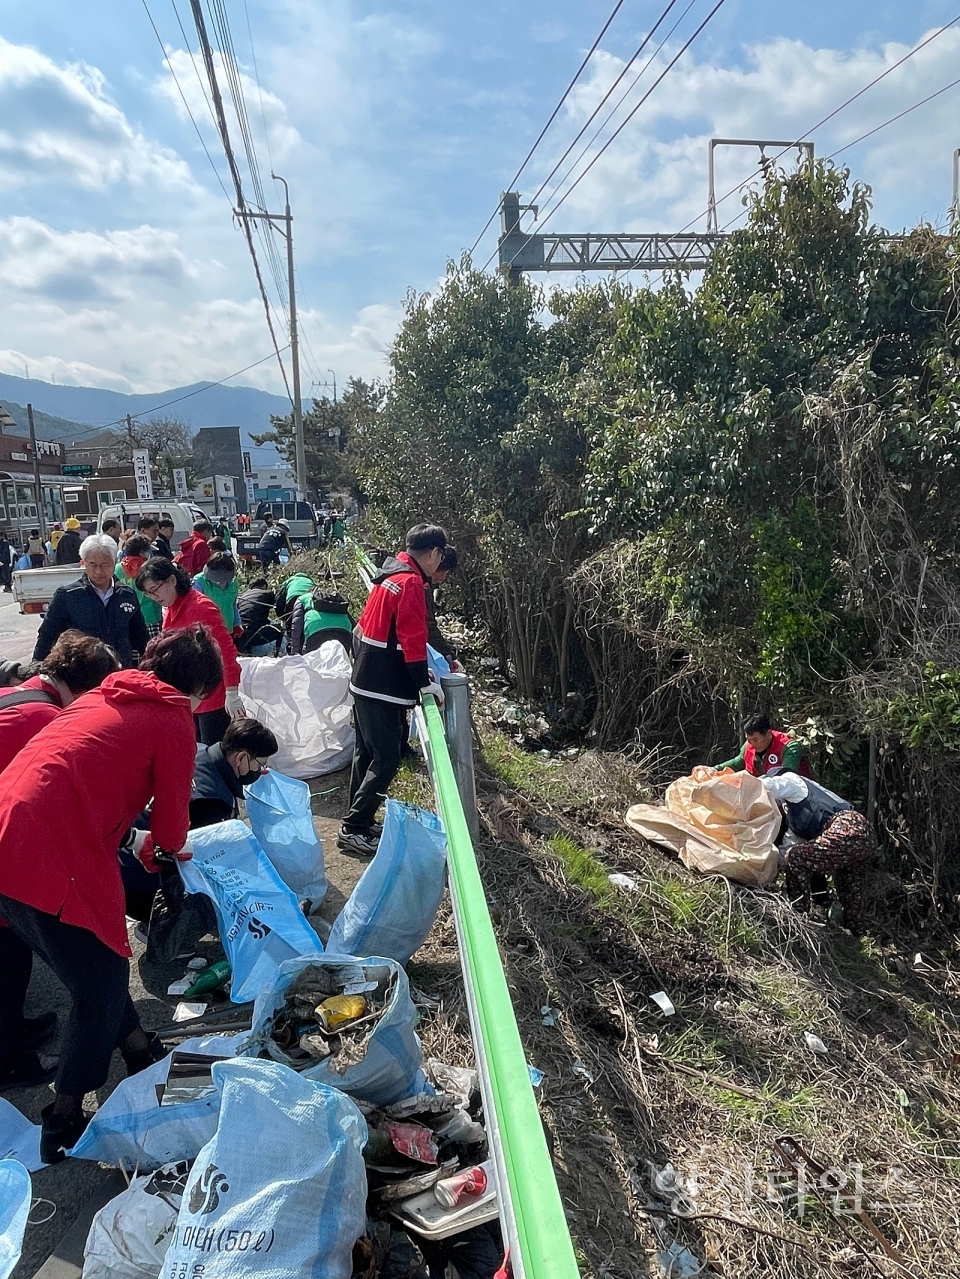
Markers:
point(33, 588)
point(299, 515)
point(183, 515)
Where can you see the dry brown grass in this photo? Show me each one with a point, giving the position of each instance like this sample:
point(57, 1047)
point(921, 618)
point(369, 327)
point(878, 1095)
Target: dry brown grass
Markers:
point(707, 1091)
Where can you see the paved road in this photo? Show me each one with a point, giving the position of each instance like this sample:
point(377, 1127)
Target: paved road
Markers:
point(18, 633)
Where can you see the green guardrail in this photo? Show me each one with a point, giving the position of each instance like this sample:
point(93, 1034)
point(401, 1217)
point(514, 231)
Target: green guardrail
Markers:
point(533, 1212)
point(531, 1207)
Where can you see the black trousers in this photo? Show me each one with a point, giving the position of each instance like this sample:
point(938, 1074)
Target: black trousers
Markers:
point(211, 726)
point(376, 758)
point(102, 1014)
point(6, 576)
point(16, 964)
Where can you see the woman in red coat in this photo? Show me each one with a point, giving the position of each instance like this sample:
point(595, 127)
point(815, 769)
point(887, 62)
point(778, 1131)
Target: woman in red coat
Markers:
point(170, 586)
point(60, 886)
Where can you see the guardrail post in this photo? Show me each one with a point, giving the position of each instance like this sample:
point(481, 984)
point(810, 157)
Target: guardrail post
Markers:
point(459, 735)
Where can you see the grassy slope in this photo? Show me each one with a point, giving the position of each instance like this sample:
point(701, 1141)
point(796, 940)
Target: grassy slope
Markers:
point(708, 1090)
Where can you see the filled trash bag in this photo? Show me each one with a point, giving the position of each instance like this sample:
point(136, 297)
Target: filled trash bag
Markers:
point(15, 1194)
point(133, 1130)
point(130, 1235)
point(718, 824)
point(388, 1067)
point(279, 811)
point(281, 1187)
point(392, 908)
point(305, 699)
point(261, 923)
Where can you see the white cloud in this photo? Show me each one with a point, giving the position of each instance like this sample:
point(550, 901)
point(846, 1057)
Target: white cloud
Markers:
point(58, 124)
point(271, 128)
point(654, 176)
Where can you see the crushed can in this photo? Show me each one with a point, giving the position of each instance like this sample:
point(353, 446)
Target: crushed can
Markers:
point(339, 1010)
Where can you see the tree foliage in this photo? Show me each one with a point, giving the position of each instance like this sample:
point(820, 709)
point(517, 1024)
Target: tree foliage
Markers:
point(679, 504)
point(330, 428)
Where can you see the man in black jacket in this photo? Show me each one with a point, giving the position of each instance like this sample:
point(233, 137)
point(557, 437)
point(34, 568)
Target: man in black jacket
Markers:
point(221, 771)
point(68, 548)
point(254, 606)
point(97, 604)
point(6, 563)
point(162, 544)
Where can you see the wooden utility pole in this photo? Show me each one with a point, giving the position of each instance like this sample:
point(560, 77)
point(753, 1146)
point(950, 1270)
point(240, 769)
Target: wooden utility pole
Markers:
point(38, 492)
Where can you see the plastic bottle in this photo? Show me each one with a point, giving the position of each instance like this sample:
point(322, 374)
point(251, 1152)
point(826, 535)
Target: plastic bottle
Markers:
point(210, 979)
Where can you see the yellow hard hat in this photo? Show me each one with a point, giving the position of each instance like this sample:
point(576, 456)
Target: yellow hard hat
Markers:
point(72, 524)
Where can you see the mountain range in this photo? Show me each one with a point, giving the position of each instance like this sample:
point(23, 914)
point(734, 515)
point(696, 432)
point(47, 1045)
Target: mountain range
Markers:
point(75, 409)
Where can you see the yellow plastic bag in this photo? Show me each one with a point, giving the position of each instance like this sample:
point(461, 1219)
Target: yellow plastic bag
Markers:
point(717, 823)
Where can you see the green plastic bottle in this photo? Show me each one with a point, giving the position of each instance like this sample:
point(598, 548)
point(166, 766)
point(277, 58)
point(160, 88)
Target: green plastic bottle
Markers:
point(210, 979)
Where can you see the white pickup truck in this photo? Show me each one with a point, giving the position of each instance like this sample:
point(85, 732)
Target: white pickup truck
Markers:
point(33, 588)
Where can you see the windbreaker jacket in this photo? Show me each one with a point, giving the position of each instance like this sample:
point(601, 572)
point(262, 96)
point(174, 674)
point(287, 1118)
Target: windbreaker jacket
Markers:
point(391, 661)
point(63, 812)
point(18, 724)
point(193, 554)
point(188, 610)
point(225, 598)
point(119, 622)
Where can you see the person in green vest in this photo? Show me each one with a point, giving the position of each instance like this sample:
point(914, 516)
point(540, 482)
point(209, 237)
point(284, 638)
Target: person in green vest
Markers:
point(218, 581)
point(320, 615)
point(136, 552)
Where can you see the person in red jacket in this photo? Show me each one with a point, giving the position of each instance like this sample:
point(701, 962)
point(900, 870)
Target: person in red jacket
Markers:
point(182, 605)
point(74, 665)
point(389, 673)
point(194, 551)
point(61, 822)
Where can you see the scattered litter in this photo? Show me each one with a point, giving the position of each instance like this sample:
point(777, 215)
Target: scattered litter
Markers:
point(209, 979)
point(580, 1069)
point(457, 1081)
point(197, 963)
point(678, 1262)
point(463, 1130)
point(412, 1140)
point(664, 1002)
point(491, 663)
point(187, 1012)
point(548, 1015)
point(628, 882)
point(426, 1217)
point(180, 987)
point(359, 987)
point(469, 1183)
point(921, 964)
point(815, 1043)
point(536, 1076)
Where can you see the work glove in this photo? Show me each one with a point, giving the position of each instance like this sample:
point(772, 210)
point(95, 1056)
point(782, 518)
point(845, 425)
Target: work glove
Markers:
point(149, 854)
point(456, 667)
point(233, 704)
point(432, 688)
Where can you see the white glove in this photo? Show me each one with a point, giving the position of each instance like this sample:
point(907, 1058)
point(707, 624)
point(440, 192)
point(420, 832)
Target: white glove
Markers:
point(434, 689)
point(456, 667)
point(137, 840)
point(233, 704)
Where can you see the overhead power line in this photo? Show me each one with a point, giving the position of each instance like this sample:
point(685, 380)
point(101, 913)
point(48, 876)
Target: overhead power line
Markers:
point(606, 97)
point(221, 121)
point(619, 103)
point(758, 172)
point(659, 80)
point(183, 99)
point(553, 115)
point(105, 426)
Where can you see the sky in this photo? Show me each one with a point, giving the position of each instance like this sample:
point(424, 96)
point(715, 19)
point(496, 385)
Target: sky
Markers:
point(396, 126)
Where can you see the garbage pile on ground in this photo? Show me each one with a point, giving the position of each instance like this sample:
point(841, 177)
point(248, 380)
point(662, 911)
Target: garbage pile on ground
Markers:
point(317, 1142)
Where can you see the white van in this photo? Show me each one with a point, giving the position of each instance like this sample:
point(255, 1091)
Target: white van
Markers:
point(183, 515)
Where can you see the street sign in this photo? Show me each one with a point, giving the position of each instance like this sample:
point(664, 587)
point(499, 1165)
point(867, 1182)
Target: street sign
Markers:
point(77, 468)
point(247, 465)
point(141, 473)
point(180, 481)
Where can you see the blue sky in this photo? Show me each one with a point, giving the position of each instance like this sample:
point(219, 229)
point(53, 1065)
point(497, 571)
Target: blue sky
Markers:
point(397, 127)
